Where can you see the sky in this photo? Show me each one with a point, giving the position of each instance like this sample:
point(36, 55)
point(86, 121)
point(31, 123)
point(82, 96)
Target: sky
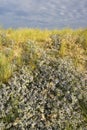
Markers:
point(48, 14)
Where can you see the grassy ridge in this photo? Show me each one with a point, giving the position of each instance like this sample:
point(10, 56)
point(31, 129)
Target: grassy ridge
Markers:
point(29, 46)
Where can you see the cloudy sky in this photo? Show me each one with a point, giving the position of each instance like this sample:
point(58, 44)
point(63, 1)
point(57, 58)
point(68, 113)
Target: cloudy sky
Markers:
point(43, 13)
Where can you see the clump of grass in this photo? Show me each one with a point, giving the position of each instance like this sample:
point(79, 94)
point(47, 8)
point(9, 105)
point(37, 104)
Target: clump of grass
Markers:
point(5, 68)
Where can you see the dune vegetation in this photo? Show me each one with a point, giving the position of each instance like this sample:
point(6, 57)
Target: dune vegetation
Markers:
point(43, 79)
point(27, 46)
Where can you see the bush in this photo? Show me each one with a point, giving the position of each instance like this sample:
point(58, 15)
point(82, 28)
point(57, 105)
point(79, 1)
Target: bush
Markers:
point(5, 41)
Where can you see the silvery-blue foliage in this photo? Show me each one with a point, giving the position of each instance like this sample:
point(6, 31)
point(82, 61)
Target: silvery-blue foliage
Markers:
point(49, 98)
